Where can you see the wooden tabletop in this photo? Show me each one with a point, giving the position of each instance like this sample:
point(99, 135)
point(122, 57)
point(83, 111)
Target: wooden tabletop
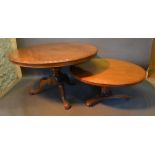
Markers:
point(53, 55)
point(108, 72)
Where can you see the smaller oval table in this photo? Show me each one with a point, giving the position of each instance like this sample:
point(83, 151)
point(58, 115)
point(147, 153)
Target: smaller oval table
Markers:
point(107, 73)
point(53, 56)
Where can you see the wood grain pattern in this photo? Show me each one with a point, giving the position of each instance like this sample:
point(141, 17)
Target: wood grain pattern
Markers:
point(108, 72)
point(53, 55)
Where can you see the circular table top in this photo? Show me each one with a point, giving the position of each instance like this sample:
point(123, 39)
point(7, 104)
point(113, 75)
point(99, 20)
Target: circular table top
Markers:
point(108, 72)
point(53, 55)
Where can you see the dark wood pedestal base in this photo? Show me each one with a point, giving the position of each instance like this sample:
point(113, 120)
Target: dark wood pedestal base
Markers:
point(58, 78)
point(104, 94)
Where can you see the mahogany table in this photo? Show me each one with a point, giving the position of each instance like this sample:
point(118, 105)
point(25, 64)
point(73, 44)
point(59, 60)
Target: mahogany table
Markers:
point(53, 56)
point(107, 73)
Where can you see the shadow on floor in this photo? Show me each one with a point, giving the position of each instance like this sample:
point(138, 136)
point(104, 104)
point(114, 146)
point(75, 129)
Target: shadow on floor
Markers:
point(142, 95)
point(19, 102)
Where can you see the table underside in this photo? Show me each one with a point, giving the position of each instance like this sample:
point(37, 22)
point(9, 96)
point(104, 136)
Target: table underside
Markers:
point(58, 79)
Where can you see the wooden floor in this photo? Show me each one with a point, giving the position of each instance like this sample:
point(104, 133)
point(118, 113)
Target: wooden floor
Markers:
point(19, 102)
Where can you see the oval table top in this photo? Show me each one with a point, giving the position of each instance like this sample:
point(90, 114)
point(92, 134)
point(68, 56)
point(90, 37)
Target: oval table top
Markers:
point(53, 55)
point(108, 72)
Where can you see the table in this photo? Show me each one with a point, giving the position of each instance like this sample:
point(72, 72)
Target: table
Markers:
point(53, 56)
point(107, 73)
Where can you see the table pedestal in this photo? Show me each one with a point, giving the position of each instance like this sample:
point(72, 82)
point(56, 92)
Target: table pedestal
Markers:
point(58, 78)
point(105, 93)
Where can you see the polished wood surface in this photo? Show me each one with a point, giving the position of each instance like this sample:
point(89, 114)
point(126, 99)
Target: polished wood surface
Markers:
point(108, 72)
point(53, 55)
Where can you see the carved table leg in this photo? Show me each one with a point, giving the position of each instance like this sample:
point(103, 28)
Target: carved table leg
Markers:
point(42, 83)
point(104, 94)
point(56, 79)
point(63, 98)
point(59, 80)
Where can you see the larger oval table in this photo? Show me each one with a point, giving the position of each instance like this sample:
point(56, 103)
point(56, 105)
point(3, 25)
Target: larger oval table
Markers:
point(53, 56)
